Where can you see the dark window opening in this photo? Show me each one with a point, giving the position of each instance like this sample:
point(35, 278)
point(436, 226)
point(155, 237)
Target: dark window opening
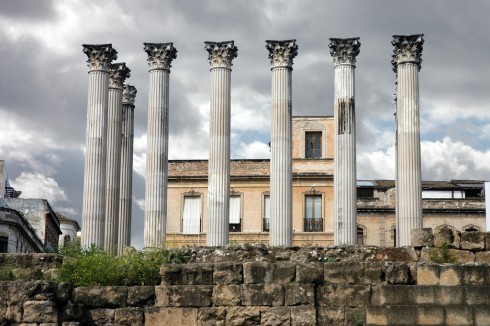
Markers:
point(360, 236)
point(313, 144)
point(365, 192)
point(4, 244)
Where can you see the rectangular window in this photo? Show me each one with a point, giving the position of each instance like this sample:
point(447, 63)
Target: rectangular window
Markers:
point(191, 215)
point(365, 192)
point(267, 213)
point(360, 236)
point(4, 244)
point(313, 144)
point(313, 213)
point(235, 214)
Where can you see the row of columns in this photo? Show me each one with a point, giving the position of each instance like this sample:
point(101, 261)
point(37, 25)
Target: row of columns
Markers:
point(107, 191)
point(100, 198)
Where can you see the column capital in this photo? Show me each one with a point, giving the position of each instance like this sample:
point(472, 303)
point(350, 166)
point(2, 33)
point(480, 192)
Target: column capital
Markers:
point(344, 50)
point(407, 48)
point(118, 72)
point(282, 53)
point(99, 56)
point(129, 94)
point(160, 55)
point(221, 54)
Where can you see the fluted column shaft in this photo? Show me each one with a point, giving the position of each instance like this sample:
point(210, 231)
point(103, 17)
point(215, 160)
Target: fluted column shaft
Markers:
point(126, 194)
point(281, 54)
point(220, 57)
point(160, 57)
point(344, 52)
point(118, 73)
point(406, 62)
point(94, 186)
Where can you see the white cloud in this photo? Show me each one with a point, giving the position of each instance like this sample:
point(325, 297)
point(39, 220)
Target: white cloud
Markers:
point(254, 150)
point(37, 185)
point(140, 203)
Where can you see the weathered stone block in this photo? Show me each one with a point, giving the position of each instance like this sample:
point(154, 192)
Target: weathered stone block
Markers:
point(310, 273)
point(262, 295)
point(183, 295)
point(450, 275)
point(353, 273)
point(430, 315)
point(447, 237)
point(284, 272)
point(330, 315)
point(226, 295)
point(275, 316)
point(482, 316)
point(396, 294)
point(474, 241)
point(40, 312)
point(477, 295)
point(187, 274)
point(238, 316)
point(98, 317)
point(449, 295)
point(21, 291)
point(141, 295)
point(131, 316)
point(72, 311)
point(482, 257)
point(391, 315)
point(228, 273)
point(458, 315)
point(303, 315)
point(170, 316)
point(397, 273)
point(214, 316)
point(299, 294)
point(101, 297)
point(338, 295)
point(461, 256)
point(422, 295)
point(64, 292)
point(487, 241)
point(422, 237)
point(428, 274)
point(473, 275)
point(70, 323)
point(257, 273)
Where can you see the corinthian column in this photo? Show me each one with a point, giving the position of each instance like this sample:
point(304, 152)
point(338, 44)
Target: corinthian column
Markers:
point(221, 54)
point(407, 59)
point(94, 184)
point(344, 53)
point(117, 75)
point(160, 56)
point(281, 55)
point(126, 195)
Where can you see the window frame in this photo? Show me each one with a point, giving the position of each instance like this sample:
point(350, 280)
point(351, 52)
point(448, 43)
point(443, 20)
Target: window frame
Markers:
point(265, 194)
point(239, 226)
point(314, 149)
point(191, 194)
point(316, 194)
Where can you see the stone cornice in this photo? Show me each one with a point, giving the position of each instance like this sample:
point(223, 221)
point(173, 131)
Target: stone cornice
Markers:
point(99, 56)
point(129, 94)
point(407, 48)
point(282, 53)
point(221, 54)
point(160, 55)
point(344, 50)
point(118, 73)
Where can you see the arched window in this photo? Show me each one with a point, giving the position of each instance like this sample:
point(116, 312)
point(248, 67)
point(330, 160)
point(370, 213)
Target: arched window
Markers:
point(66, 240)
point(471, 228)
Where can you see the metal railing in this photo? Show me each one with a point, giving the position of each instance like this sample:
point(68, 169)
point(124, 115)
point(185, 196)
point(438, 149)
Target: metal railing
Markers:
point(313, 225)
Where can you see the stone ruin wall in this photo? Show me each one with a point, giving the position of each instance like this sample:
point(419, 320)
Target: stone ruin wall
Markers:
point(256, 285)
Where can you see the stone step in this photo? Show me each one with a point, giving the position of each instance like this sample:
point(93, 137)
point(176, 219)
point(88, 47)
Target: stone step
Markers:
point(435, 274)
point(459, 315)
point(430, 295)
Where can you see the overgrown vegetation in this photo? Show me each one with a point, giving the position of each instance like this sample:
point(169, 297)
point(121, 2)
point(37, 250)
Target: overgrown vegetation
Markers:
point(6, 273)
point(94, 267)
point(441, 255)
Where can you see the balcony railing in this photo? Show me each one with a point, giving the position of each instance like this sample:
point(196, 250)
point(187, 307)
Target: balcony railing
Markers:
point(313, 225)
point(235, 227)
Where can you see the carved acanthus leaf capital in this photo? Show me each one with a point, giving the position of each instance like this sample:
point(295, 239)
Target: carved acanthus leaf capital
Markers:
point(221, 54)
point(99, 56)
point(407, 48)
point(344, 50)
point(160, 55)
point(129, 94)
point(118, 73)
point(282, 53)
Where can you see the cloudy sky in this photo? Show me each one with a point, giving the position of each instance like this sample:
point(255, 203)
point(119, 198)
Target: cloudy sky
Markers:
point(43, 81)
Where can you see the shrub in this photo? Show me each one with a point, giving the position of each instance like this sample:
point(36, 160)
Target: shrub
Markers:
point(94, 267)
